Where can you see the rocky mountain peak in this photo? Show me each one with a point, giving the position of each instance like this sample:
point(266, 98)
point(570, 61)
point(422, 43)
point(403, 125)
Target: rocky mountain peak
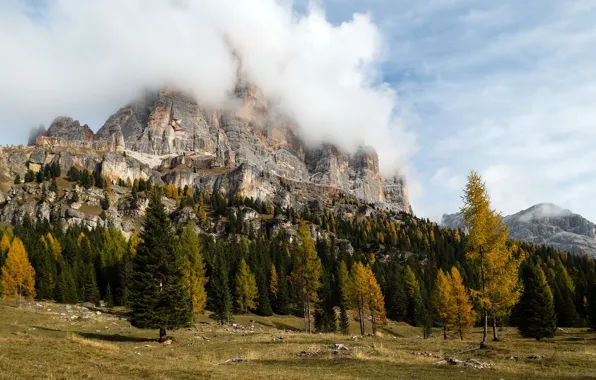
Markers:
point(70, 130)
point(546, 224)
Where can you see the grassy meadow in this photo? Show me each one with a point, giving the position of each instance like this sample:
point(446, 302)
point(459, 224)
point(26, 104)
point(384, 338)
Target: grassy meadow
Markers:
point(51, 341)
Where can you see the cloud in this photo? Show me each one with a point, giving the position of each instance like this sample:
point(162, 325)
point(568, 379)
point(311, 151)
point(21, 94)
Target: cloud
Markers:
point(87, 59)
point(506, 88)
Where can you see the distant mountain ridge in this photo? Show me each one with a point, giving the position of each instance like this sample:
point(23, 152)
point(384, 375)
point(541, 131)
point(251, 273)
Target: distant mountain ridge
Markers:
point(546, 224)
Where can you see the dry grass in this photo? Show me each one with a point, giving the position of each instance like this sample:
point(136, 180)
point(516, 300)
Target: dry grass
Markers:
point(41, 344)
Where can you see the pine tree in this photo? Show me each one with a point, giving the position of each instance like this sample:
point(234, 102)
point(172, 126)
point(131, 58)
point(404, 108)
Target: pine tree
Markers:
point(344, 319)
point(246, 288)
point(591, 307)
point(263, 302)
point(488, 251)
point(306, 272)
point(343, 281)
point(537, 318)
point(220, 299)
point(18, 276)
point(91, 290)
point(158, 297)
point(17, 179)
point(125, 276)
point(194, 268)
point(109, 296)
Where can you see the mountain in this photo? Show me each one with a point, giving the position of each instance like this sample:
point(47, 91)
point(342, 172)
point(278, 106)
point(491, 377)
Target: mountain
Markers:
point(169, 138)
point(546, 224)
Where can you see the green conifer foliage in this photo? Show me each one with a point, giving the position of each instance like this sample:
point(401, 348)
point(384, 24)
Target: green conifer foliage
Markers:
point(158, 297)
point(536, 310)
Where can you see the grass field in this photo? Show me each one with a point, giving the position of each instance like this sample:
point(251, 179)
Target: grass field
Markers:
point(47, 341)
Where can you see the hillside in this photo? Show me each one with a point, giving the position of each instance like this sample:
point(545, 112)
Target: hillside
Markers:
point(68, 342)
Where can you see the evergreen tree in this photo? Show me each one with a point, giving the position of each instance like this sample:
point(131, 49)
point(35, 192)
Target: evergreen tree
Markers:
point(18, 276)
point(537, 318)
point(91, 290)
point(109, 296)
point(246, 288)
point(158, 297)
point(591, 307)
point(125, 276)
point(344, 319)
point(66, 289)
point(220, 299)
point(17, 179)
point(263, 301)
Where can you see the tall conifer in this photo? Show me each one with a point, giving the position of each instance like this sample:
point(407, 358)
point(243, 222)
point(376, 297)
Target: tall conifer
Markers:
point(158, 297)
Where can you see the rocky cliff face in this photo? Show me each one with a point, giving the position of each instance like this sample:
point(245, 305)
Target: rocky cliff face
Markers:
point(546, 224)
point(169, 138)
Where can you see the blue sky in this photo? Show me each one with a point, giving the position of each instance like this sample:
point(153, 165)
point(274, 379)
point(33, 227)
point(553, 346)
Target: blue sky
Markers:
point(507, 88)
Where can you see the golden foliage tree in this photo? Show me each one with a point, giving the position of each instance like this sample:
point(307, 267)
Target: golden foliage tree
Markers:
point(18, 276)
point(453, 303)
point(246, 288)
point(194, 269)
point(52, 244)
point(489, 252)
point(464, 316)
point(443, 301)
point(375, 300)
point(356, 291)
point(274, 283)
point(306, 272)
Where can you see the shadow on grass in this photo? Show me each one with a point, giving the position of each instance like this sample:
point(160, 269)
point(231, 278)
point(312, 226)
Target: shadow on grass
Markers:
point(284, 326)
point(393, 333)
point(97, 336)
point(115, 337)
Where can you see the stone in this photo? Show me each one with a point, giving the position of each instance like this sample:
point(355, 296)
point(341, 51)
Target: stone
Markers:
point(88, 305)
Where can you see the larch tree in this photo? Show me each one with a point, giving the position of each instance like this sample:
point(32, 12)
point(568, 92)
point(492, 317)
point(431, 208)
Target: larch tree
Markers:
point(464, 316)
point(537, 318)
point(488, 251)
point(274, 282)
point(443, 300)
point(18, 276)
point(246, 288)
point(194, 268)
point(375, 300)
point(356, 292)
point(158, 297)
point(306, 273)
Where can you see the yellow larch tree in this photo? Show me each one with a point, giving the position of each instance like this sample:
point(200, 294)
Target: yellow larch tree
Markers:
point(246, 288)
point(487, 249)
point(194, 269)
point(18, 276)
point(464, 316)
point(375, 300)
point(274, 283)
point(306, 272)
point(356, 291)
point(443, 300)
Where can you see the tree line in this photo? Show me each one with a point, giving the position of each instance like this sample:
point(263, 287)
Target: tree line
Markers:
point(395, 266)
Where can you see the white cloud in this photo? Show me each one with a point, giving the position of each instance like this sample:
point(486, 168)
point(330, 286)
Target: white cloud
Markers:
point(86, 59)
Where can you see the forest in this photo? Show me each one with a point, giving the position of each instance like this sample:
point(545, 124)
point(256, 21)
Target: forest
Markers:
point(375, 266)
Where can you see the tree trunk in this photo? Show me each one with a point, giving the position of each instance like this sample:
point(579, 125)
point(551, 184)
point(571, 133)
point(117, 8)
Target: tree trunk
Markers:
point(361, 315)
point(374, 322)
point(485, 309)
point(162, 335)
point(444, 330)
point(495, 337)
